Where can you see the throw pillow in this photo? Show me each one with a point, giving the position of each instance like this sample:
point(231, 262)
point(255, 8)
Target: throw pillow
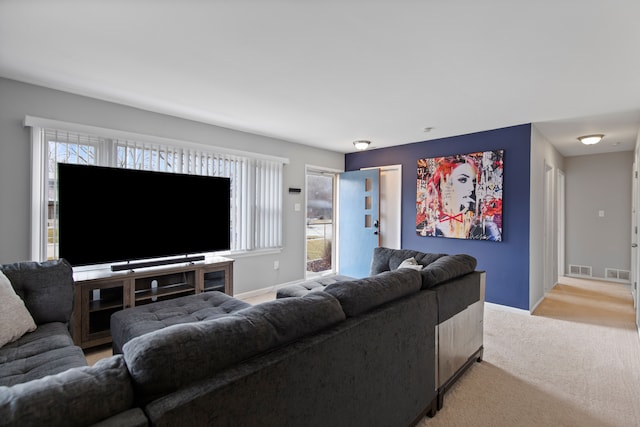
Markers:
point(15, 319)
point(410, 263)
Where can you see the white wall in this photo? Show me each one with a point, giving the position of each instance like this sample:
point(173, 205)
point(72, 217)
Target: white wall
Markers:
point(543, 154)
point(18, 100)
point(596, 183)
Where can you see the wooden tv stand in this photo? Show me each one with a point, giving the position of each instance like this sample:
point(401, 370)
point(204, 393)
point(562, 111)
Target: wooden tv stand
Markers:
point(99, 294)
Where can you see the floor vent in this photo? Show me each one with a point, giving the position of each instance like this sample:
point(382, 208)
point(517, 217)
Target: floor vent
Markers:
point(617, 275)
point(580, 270)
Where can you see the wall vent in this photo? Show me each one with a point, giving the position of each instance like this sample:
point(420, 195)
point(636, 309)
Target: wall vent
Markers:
point(580, 270)
point(617, 275)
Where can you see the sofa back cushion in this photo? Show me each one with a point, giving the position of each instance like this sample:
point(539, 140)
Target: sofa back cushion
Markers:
point(45, 287)
point(386, 259)
point(76, 397)
point(446, 268)
point(362, 295)
point(437, 268)
point(165, 360)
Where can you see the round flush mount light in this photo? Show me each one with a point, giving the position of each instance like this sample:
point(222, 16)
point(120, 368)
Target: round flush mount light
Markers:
point(590, 139)
point(361, 144)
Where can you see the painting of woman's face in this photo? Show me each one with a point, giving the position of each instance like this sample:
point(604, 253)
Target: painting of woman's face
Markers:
point(453, 194)
point(463, 180)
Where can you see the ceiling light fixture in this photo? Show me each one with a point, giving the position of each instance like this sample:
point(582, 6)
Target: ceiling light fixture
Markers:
point(590, 139)
point(361, 144)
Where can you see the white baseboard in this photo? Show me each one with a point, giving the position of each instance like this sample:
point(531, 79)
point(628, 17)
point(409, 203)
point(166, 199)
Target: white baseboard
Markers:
point(262, 291)
point(501, 307)
point(533, 309)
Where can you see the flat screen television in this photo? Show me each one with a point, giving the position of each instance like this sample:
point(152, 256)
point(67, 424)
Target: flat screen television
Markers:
point(109, 215)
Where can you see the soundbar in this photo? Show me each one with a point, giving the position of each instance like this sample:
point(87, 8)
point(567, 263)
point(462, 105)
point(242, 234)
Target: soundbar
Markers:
point(144, 264)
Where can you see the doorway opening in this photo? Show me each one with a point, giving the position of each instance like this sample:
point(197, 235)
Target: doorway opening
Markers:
point(320, 226)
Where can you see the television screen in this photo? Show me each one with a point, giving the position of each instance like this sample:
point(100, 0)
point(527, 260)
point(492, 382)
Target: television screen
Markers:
point(112, 215)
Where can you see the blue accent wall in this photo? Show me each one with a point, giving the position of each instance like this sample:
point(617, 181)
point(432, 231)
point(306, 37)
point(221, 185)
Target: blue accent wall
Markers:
point(506, 263)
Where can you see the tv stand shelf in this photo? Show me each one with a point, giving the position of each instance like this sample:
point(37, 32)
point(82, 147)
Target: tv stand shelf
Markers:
point(99, 294)
point(163, 292)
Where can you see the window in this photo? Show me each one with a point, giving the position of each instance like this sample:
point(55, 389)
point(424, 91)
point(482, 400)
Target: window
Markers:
point(63, 147)
point(256, 181)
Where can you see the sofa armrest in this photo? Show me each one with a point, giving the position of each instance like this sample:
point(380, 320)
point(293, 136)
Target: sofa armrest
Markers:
point(447, 268)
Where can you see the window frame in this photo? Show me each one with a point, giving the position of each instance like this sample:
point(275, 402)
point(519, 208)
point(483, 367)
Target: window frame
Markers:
point(251, 215)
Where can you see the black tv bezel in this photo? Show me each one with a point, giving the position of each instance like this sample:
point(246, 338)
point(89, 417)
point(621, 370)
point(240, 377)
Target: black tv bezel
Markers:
point(130, 191)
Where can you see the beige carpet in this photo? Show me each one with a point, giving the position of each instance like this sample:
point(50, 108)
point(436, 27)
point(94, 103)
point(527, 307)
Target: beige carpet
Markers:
point(575, 362)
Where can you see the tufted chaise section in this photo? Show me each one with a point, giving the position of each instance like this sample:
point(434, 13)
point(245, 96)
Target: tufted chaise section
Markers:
point(140, 320)
point(196, 351)
point(314, 285)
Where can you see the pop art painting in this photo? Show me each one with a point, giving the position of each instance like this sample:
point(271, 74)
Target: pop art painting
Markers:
point(460, 196)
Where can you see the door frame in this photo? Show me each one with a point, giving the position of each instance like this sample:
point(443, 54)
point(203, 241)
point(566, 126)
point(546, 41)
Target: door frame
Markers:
point(390, 233)
point(635, 252)
point(334, 254)
point(549, 258)
point(560, 223)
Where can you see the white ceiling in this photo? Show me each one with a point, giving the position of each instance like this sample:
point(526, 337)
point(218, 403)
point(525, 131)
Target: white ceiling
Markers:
point(329, 72)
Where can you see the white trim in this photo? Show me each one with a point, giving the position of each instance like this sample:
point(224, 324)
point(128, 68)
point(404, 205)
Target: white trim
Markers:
point(322, 170)
point(253, 294)
point(251, 253)
point(262, 291)
point(561, 212)
point(384, 219)
point(500, 307)
point(39, 122)
point(38, 196)
point(533, 309)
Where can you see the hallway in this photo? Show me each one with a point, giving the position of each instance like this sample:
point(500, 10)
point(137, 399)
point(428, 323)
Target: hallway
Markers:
point(589, 301)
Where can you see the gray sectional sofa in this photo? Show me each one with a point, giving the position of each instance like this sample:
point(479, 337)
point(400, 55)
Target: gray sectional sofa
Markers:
point(356, 352)
point(460, 294)
point(460, 291)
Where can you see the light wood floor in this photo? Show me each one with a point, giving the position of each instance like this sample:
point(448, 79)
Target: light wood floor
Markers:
point(589, 301)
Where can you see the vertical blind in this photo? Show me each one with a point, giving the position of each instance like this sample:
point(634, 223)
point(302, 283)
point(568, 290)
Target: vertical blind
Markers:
point(256, 183)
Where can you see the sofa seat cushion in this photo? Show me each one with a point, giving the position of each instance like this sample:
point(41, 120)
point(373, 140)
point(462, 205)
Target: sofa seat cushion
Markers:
point(46, 351)
point(76, 397)
point(313, 285)
point(165, 360)
point(362, 295)
point(140, 320)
